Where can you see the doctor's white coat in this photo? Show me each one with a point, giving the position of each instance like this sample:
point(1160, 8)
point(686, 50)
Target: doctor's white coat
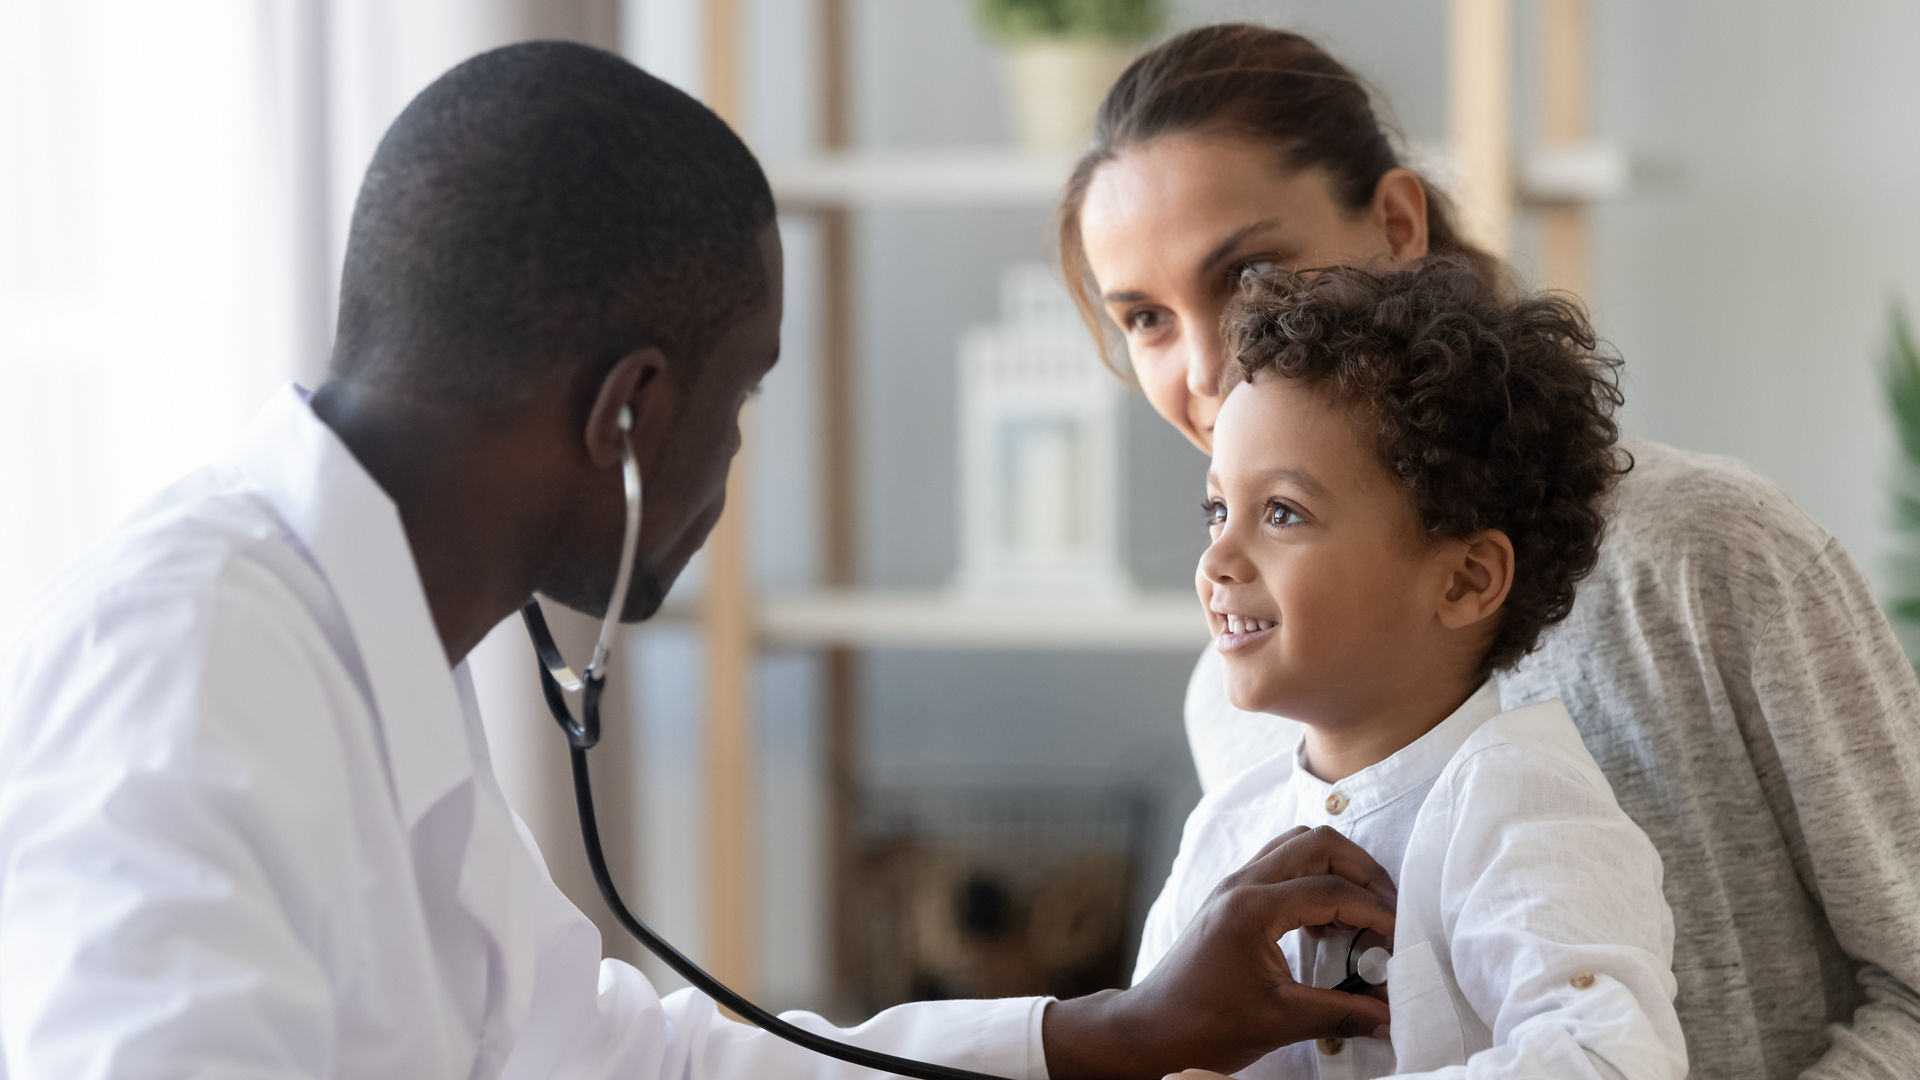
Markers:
point(248, 826)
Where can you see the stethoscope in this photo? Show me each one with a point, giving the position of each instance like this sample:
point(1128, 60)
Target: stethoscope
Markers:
point(557, 680)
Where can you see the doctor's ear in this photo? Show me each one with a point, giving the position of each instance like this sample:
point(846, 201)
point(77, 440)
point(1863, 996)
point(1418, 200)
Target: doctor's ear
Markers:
point(632, 398)
point(1479, 576)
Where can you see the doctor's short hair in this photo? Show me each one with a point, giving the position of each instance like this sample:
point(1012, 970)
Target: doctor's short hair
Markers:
point(540, 207)
point(1494, 412)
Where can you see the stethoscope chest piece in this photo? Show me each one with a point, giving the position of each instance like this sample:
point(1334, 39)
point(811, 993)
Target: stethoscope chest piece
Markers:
point(1366, 968)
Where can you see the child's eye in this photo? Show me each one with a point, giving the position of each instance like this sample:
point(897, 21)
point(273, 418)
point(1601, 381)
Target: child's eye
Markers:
point(1216, 512)
point(1280, 515)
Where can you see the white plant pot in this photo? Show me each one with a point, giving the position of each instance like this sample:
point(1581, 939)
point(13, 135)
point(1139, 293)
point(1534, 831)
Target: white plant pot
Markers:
point(1054, 86)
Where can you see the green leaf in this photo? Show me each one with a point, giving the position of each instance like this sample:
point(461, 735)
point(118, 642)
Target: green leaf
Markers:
point(1900, 379)
point(1900, 375)
point(1108, 20)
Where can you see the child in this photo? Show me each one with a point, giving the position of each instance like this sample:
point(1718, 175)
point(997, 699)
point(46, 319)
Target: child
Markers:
point(1406, 487)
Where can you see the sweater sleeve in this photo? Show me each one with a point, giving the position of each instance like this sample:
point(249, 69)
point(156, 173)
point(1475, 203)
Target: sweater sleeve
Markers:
point(1839, 761)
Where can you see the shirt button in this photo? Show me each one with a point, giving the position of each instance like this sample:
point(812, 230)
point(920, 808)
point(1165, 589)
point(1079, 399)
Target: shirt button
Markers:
point(1331, 1046)
point(1336, 802)
point(1581, 980)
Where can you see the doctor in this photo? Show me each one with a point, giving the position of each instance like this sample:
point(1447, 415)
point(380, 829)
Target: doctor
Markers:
point(248, 826)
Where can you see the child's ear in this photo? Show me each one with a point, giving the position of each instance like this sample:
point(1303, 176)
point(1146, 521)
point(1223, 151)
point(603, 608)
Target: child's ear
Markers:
point(1480, 576)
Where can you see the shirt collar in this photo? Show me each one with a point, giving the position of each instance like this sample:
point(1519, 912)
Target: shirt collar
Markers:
point(353, 534)
point(1380, 784)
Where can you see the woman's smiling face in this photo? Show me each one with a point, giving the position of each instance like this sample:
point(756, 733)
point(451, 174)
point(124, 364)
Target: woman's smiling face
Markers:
point(1169, 224)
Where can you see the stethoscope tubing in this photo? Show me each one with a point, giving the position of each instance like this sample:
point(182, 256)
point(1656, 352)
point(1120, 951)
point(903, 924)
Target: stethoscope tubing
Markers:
point(720, 992)
point(556, 679)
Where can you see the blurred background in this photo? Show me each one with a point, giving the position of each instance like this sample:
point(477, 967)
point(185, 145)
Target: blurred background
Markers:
point(858, 762)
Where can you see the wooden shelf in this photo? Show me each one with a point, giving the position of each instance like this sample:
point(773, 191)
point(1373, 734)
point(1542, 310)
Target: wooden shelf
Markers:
point(1158, 621)
point(987, 176)
point(995, 176)
point(1578, 172)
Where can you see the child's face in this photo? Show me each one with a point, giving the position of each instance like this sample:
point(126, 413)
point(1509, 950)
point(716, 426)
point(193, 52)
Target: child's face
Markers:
point(1318, 558)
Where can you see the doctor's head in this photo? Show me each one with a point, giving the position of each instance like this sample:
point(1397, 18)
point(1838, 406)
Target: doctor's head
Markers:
point(1227, 147)
point(545, 235)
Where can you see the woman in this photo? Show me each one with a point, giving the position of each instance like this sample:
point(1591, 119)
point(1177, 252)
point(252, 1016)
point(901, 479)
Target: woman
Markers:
point(1725, 663)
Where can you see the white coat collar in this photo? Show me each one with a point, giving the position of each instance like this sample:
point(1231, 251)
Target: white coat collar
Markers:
point(352, 533)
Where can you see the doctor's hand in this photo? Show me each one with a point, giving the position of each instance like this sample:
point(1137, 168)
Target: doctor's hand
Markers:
point(1224, 997)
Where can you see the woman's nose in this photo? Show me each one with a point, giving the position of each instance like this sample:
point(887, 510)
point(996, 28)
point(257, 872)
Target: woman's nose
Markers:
point(1206, 363)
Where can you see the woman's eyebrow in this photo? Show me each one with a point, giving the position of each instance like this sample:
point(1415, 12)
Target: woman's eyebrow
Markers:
point(1218, 254)
point(1220, 251)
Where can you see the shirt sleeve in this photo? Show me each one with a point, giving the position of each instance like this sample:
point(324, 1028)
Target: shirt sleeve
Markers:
point(638, 1034)
point(1839, 762)
point(145, 928)
point(1559, 937)
point(1163, 925)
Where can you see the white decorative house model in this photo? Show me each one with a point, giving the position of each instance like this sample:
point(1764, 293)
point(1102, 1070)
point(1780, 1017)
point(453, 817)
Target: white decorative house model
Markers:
point(1040, 504)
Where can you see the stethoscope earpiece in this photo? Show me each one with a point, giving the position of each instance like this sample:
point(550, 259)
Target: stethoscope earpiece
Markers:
point(556, 681)
point(555, 676)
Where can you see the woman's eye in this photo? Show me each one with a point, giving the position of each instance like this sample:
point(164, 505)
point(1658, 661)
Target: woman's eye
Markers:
point(1255, 268)
point(1142, 320)
point(1280, 515)
point(1216, 512)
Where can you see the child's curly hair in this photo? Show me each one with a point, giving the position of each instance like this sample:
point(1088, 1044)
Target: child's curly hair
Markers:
point(1495, 413)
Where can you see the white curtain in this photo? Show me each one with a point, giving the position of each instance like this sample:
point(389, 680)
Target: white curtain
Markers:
point(145, 300)
point(175, 184)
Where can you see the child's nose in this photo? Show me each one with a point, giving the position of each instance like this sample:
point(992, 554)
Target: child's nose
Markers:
point(1223, 563)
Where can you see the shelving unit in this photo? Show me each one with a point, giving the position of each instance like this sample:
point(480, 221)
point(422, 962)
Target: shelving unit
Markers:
point(988, 176)
point(840, 621)
point(1574, 172)
point(863, 619)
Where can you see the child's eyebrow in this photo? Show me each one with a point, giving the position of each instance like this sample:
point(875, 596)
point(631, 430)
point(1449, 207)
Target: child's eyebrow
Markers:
point(1300, 478)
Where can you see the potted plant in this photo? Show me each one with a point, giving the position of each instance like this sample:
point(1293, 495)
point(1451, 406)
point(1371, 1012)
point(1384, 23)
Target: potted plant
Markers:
point(1900, 375)
point(1060, 58)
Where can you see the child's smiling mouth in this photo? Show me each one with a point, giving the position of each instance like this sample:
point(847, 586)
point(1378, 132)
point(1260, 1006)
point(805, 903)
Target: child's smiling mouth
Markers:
point(1235, 631)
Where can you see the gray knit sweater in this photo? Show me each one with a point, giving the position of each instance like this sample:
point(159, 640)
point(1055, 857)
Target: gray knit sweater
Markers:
point(1732, 676)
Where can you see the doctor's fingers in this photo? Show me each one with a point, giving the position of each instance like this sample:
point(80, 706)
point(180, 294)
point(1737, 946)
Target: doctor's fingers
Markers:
point(1308, 901)
point(1303, 852)
point(1335, 1012)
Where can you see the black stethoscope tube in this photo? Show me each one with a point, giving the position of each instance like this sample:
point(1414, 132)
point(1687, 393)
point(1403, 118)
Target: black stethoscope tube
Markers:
point(555, 680)
point(714, 988)
point(582, 734)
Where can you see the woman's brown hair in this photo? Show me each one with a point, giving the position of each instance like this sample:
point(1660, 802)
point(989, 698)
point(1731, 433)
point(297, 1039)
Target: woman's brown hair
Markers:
point(1271, 86)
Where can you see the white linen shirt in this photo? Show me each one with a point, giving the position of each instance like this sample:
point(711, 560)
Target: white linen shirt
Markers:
point(1531, 937)
point(1730, 670)
point(248, 827)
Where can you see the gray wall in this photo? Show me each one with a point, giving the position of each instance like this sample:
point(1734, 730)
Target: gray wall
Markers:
point(1745, 284)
